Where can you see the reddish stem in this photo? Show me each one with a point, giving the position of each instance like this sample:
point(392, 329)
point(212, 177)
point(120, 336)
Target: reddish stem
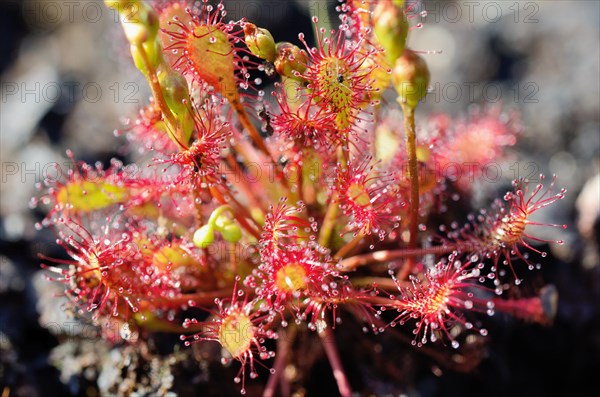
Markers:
point(283, 349)
point(242, 183)
point(349, 246)
point(328, 342)
point(201, 298)
point(352, 263)
point(413, 173)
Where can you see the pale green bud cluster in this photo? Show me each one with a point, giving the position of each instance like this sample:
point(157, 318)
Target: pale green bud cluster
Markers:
point(221, 222)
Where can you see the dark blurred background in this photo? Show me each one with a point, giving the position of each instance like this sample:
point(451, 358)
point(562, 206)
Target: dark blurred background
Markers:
point(68, 82)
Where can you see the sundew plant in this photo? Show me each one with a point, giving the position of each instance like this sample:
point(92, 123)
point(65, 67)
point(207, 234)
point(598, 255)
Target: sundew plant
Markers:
point(260, 220)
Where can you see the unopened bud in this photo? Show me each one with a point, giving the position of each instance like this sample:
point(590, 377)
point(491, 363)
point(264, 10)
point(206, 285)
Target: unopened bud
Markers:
point(410, 78)
point(232, 233)
point(153, 52)
point(140, 21)
point(204, 236)
point(291, 61)
point(222, 221)
point(260, 42)
point(174, 88)
point(121, 4)
point(390, 25)
point(136, 33)
point(175, 91)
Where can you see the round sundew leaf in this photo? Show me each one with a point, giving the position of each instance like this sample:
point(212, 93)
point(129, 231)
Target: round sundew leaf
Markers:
point(212, 56)
point(166, 15)
point(174, 256)
point(291, 278)
point(236, 333)
point(359, 195)
point(334, 85)
point(204, 236)
point(86, 196)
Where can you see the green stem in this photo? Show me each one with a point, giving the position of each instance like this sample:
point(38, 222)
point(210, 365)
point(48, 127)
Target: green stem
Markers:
point(328, 222)
point(333, 207)
point(384, 283)
point(300, 176)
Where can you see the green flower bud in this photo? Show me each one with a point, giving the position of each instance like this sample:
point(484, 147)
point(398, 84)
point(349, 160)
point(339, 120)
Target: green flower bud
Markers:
point(175, 91)
point(140, 21)
point(204, 236)
point(136, 33)
point(390, 25)
point(222, 221)
point(260, 42)
point(231, 233)
point(153, 51)
point(87, 196)
point(122, 5)
point(290, 58)
point(410, 78)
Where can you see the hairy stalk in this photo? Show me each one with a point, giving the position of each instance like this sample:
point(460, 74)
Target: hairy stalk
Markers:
point(197, 208)
point(254, 134)
point(539, 309)
point(233, 257)
point(385, 283)
point(328, 222)
point(413, 173)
